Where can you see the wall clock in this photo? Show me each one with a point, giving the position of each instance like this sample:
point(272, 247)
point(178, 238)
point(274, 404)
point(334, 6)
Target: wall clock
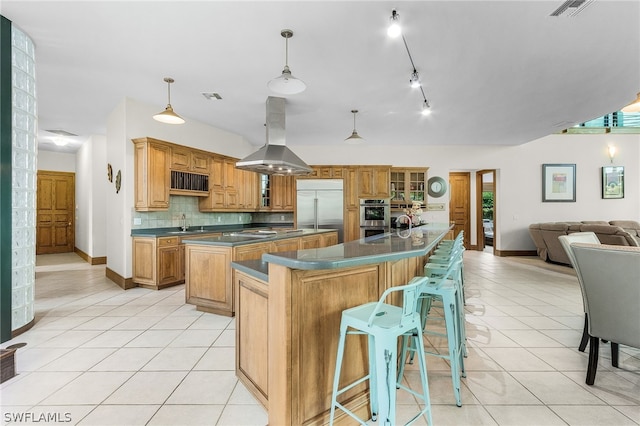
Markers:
point(436, 187)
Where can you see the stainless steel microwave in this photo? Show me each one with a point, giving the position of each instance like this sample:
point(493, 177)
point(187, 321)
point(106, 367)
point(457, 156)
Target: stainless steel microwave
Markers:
point(375, 212)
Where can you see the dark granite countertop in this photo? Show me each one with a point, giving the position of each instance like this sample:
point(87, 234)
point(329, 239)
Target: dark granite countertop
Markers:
point(252, 236)
point(208, 229)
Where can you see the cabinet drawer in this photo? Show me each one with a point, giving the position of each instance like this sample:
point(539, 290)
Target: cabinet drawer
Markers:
point(168, 241)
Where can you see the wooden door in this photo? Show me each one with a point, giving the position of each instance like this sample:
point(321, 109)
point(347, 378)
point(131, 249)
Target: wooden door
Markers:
point(55, 229)
point(460, 204)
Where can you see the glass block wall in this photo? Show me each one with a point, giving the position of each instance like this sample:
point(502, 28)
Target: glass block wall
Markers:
point(24, 174)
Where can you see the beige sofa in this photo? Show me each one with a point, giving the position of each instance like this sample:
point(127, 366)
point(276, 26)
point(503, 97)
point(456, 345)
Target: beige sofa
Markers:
point(615, 232)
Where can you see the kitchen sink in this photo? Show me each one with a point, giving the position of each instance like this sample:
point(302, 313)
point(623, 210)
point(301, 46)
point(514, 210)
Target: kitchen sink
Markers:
point(179, 232)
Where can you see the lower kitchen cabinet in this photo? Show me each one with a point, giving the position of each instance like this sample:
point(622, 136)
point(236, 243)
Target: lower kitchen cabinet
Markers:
point(208, 273)
point(252, 334)
point(158, 262)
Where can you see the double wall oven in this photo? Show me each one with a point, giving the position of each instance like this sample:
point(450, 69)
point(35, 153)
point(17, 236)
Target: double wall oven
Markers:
point(375, 216)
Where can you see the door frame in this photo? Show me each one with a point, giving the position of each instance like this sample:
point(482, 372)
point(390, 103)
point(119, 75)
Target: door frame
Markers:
point(479, 223)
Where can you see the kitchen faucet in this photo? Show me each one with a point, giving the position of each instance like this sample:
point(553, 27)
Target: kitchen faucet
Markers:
point(184, 222)
point(410, 225)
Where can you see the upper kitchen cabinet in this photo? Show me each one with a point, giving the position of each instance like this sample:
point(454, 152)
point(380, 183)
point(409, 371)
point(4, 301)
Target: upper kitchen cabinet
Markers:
point(324, 172)
point(223, 188)
point(277, 192)
point(152, 174)
point(373, 182)
point(189, 160)
point(407, 185)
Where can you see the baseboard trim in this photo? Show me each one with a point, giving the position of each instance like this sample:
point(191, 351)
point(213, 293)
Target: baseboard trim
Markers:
point(102, 260)
point(19, 331)
point(507, 253)
point(122, 282)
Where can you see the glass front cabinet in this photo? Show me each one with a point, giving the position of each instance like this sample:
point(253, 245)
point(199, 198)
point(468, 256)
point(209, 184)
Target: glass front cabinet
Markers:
point(407, 185)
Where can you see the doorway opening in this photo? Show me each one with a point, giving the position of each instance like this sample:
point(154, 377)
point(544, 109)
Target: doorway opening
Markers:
point(486, 210)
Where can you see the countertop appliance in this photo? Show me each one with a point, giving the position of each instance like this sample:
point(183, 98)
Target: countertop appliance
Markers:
point(319, 205)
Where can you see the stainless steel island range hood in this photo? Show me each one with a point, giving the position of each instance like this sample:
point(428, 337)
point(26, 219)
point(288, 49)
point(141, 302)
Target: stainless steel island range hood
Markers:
point(274, 158)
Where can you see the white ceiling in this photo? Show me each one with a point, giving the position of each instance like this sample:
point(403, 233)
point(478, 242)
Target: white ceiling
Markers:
point(495, 72)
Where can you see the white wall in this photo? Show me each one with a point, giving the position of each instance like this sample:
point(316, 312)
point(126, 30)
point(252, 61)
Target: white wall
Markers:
point(91, 188)
point(56, 161)
point(519, 177)
point(130, 120)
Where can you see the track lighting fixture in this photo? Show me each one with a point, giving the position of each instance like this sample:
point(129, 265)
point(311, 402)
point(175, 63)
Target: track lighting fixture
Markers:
point(394, 30)
point(355, 138)
point(286, 83)
point(414, 80)
point(426, 108)
point(168, 116)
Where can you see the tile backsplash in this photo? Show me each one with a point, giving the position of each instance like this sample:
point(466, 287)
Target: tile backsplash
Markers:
point(179, 205)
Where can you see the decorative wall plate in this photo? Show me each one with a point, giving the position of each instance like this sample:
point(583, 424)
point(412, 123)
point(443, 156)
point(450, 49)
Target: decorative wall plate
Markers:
point(118, 181)
point(436, 187)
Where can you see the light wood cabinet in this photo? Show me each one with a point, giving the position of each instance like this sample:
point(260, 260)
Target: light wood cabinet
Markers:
point(151, 174)
point(157, 262)
point(283, 192)
point(328, 239)
point(324, 172)
point(223, 186)
point(252, 334)
point(248, 194)
point(189, 160)
point(351, 199)
point(351, 224)
point(407, 185)
point(373, 182)
point(311, 242)
point(208, 278)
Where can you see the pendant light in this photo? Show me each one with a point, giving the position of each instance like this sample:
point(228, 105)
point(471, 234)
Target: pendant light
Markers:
point(168, 116)
point(633, 106)
point(394, 30)
point(286, 83)
point(355, 138)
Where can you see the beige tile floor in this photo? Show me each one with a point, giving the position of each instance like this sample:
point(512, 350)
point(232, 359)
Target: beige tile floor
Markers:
point(99, 355)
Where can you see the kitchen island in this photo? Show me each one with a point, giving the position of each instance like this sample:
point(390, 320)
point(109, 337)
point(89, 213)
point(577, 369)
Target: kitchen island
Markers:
point(289, 307)
point(207, 260)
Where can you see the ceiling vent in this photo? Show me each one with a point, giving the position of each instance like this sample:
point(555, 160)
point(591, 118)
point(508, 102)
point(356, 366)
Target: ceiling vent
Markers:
point(211, 95)
point(61, 132)
point(571, 8)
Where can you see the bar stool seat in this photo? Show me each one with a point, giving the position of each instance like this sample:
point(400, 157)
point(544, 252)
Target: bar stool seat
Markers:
point(445, 288)
point(384, 324)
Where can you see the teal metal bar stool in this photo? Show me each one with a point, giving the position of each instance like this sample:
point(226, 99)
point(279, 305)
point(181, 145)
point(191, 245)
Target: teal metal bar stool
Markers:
point(384, 324)
point(444, 287)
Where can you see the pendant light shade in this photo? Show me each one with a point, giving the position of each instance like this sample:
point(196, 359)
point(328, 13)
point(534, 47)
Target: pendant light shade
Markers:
point(355, 138)
point(394, 30)
point(286, 83)
point(168, 115)
point(633, 106)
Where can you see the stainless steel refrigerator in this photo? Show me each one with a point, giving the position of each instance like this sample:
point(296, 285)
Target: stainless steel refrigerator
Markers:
point(319, 205)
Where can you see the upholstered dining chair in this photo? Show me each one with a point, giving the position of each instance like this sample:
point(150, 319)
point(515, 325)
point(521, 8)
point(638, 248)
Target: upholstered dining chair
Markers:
point(612, 309)
point(565, 241)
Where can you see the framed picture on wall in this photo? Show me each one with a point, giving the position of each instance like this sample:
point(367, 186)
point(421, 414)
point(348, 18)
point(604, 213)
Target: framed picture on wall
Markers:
point(612, 182)
point(558, 183)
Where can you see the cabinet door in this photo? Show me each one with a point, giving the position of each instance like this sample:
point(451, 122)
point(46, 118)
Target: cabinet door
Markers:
point(216, 178)
point(351, 225)
point(311, 241)
point(144, 260)
point(351, 200)
point(249, 193)
point(251, 251)
point(365, 183)
point(283, 192)
point(200, 162)
point(329, 239)
point(288, 244)
point(210, 292)
point(169, 265)
point(230, 174)
point(152, 175)
point(180, 158)
point(381, 182)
